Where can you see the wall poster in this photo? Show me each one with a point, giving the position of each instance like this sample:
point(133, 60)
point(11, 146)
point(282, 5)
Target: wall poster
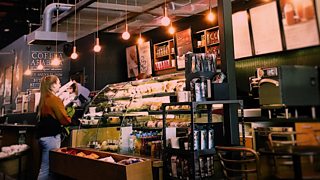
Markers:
point(1, 82)
point(184, 45)
point(132, 61)
point(144, 50)
point(241, 35)
point(266, 28)
point(299, 23)
point(8, 85)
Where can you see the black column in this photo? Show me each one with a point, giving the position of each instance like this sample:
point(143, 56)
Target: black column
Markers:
point(228, 67)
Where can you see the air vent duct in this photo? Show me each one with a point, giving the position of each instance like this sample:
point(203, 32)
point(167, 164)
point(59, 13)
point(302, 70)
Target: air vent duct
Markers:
point(46, 36)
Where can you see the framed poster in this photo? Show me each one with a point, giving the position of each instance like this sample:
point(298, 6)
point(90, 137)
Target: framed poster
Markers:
point(241, 35)
point(299, 23)
point(132, 61)
point(184, 45)
point(8, 85)
point(266, 29)
point(1, 82)
point(144, 50)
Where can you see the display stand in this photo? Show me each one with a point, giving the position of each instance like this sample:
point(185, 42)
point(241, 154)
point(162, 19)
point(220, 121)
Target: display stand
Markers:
point(194, 152)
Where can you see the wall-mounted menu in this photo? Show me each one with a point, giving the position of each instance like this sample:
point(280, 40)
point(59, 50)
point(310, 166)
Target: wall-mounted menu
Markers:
point(184, 45)
point(299, 23)
point(266, 29)
point(241, 35)
point(44, 58)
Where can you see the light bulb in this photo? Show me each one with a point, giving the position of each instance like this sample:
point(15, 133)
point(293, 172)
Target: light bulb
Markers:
point(97, 47)
point(172, 30)
point(74, 54)
point(27, 72)
point(210, 16)
point(165, 21)
point(40, 66)
point(125, 35)
point(55, 61)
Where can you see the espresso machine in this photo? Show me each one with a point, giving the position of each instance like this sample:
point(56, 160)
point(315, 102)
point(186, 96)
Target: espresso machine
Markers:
point(288, 86)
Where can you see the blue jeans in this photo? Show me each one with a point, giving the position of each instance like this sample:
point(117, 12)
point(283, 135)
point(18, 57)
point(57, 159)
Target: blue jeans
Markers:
point(47, 144)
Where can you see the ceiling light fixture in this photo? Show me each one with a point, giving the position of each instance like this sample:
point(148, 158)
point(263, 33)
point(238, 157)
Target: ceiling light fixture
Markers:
point(28, 72)
point(140, 39)
point(165, 19)
point(74, 54)
point(97, 47)
point(172, 30)
point(210, 15)
point(56, 60)
point(126, 34)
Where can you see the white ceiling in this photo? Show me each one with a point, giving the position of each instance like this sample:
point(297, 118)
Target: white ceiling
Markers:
point(142, 15)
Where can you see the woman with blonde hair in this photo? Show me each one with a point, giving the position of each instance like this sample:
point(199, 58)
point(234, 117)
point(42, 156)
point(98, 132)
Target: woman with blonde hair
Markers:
point(52, 116)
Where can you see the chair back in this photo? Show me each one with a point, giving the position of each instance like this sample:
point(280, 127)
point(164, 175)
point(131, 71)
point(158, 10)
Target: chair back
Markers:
point(287, 138)
point(239, 162)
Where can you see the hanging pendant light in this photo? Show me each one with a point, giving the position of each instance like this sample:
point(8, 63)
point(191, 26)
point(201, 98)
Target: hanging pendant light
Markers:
point(74, 54)
point(97, 47)
point(56, 60)
point(40, 66)
point(140, 39)
point(28, 72)
point(126, 34)
point(172, 30)
point(165, 21)
point(210, 15)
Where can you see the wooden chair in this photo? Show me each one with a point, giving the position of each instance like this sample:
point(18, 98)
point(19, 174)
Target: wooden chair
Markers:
point(239, 162)
point(283, 164)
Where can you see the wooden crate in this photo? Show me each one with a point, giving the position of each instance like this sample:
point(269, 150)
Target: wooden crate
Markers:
point(85, 168)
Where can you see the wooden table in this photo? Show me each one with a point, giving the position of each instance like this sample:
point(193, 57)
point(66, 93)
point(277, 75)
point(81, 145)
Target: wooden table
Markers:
point(296, 152)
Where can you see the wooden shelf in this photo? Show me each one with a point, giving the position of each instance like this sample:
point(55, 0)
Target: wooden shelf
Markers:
point(164, 55)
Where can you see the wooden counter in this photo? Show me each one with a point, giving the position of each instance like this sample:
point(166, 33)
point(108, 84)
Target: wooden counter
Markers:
point(84, 168)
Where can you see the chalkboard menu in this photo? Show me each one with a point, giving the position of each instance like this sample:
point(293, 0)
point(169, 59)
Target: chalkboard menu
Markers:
point(43, 57)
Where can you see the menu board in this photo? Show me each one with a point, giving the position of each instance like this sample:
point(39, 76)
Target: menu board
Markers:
point(265, 28)
point(299, 23)
point(144, 50)
point(43, 57)
point(241, 35)
point(184, 42)
point(184, 45)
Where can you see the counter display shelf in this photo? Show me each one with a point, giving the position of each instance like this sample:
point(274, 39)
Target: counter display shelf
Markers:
point(85, 168)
